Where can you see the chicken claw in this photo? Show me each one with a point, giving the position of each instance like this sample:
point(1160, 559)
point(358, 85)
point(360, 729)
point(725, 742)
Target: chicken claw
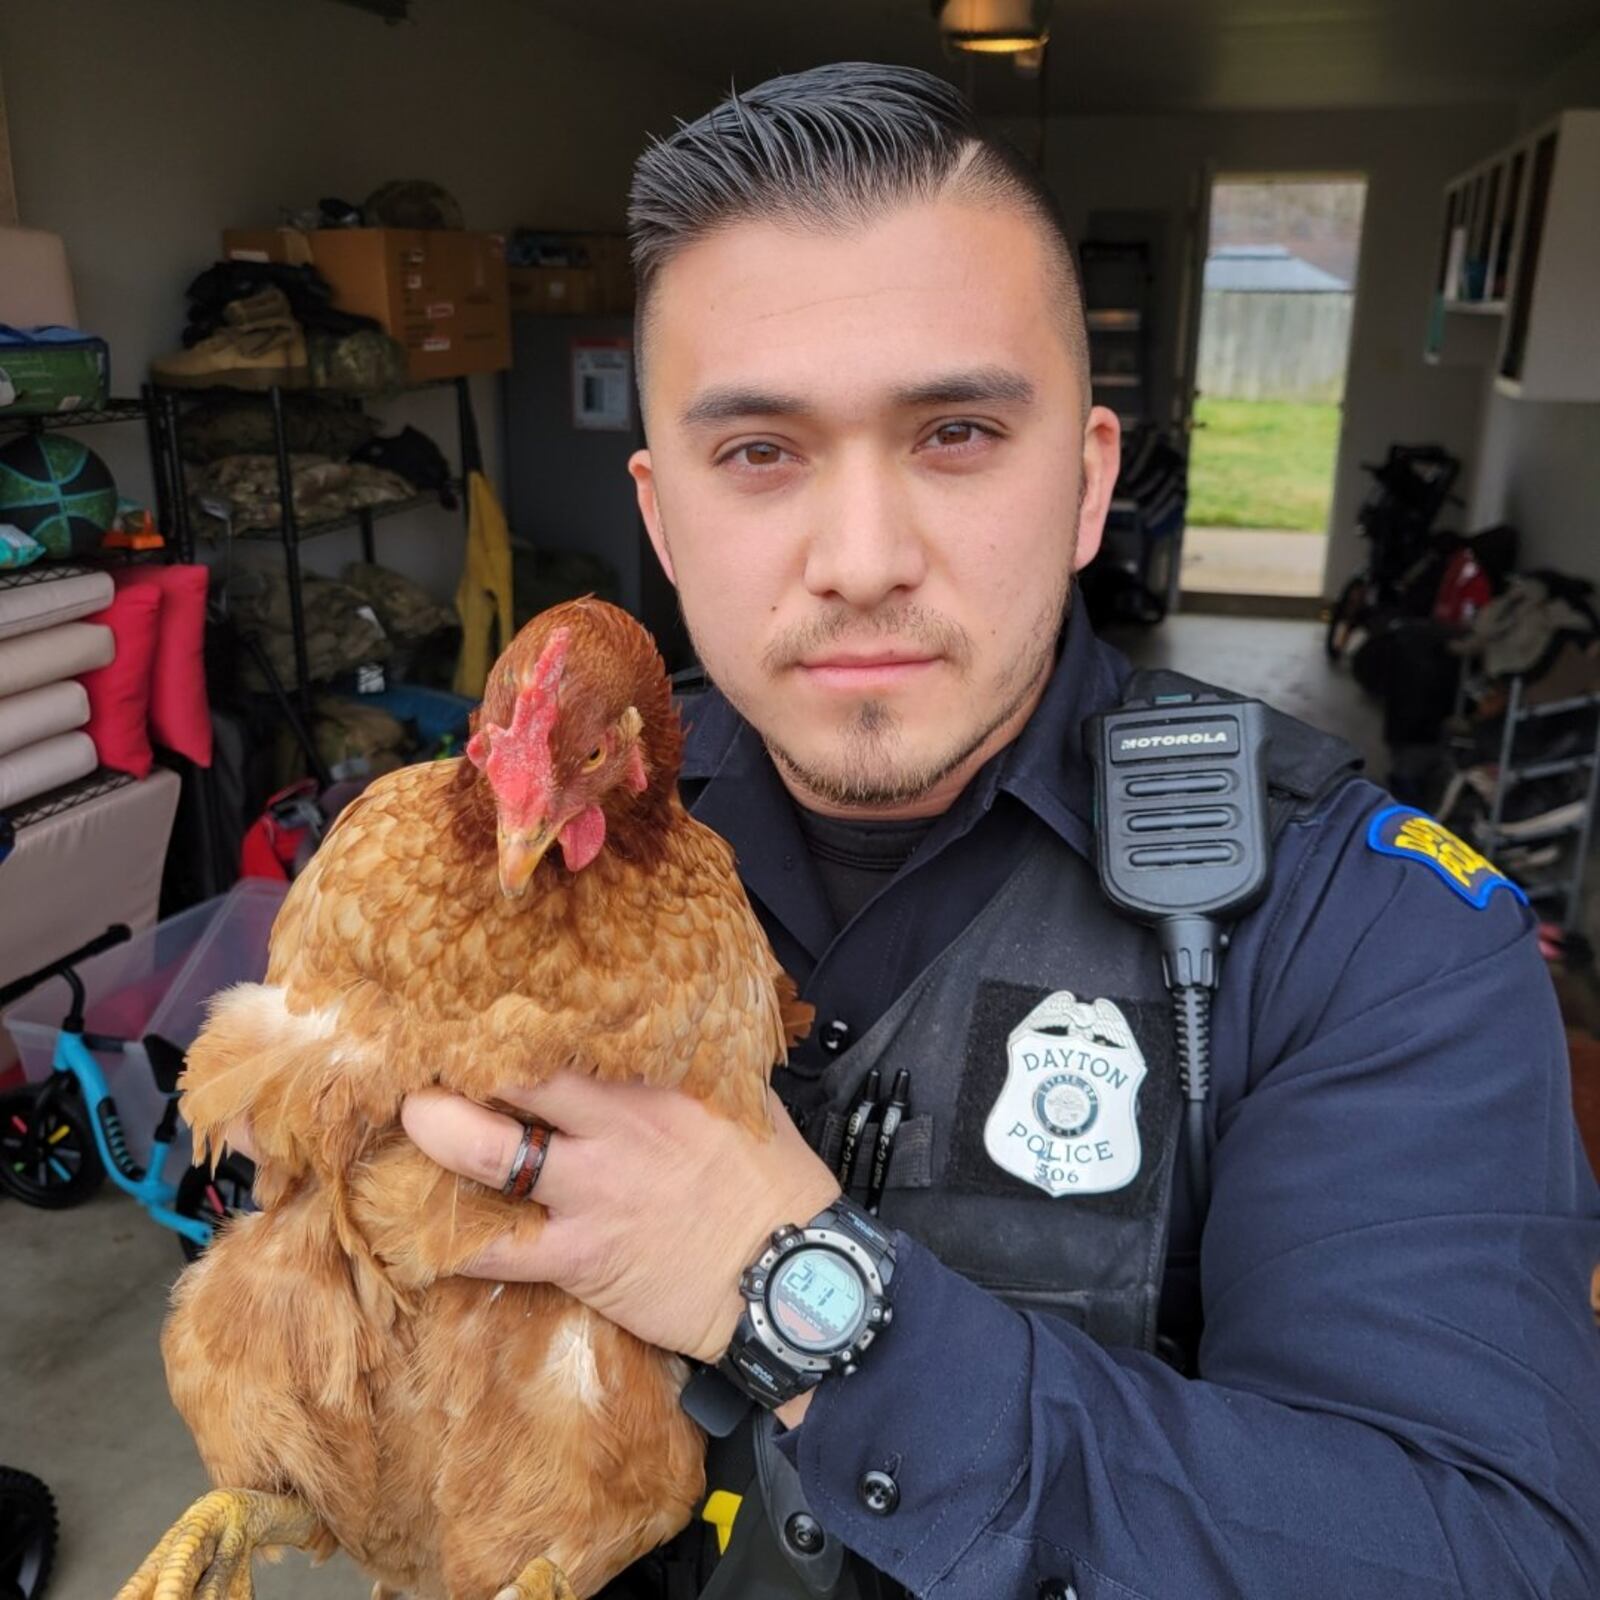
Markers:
point(539, 1580)
point(206, 1554)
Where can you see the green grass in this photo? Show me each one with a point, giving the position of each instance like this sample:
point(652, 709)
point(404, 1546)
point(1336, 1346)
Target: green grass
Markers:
point(1262, 464)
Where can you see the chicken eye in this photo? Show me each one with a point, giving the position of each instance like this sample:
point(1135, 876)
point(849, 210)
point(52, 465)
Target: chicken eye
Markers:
point(594, 758)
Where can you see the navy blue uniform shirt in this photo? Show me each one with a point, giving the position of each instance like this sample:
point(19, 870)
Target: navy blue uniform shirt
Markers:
point(1399, 1377)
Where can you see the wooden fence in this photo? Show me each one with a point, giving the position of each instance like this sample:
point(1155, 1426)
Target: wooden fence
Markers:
point(1269, 346)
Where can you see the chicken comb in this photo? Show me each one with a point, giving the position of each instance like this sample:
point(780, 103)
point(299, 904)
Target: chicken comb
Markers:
point(517, 760)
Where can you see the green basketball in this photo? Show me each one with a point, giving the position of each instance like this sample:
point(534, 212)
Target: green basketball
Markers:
point(57, 489)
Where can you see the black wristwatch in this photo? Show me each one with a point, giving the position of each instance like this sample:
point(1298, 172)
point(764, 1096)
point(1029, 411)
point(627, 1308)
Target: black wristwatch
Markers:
point(815, 1299)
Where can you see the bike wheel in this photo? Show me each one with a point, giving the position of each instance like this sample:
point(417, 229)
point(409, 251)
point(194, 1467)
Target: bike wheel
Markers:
point(213, 1197)
point(47, 1151)
point(1347, 613)
point(27, 1534)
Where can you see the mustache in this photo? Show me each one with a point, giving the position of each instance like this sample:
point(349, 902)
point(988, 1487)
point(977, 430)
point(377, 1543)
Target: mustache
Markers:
point(928, 630)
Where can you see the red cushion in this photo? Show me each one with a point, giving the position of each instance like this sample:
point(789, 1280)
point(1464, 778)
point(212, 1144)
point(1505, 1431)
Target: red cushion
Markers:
point(180, 718)
point(119, 694)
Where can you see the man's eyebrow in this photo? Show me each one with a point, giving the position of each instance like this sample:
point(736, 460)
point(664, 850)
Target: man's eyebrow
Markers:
point(980, 385)
point(728, 405)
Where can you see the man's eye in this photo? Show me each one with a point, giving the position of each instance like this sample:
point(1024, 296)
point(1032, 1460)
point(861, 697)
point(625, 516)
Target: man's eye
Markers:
point(952, 434)
point(760, 454)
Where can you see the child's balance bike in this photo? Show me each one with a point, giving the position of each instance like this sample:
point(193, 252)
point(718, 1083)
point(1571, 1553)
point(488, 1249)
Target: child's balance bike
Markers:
point(59, 1138)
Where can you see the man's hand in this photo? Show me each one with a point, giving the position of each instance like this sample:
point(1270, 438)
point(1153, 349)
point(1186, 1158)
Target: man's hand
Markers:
point(656, 1204)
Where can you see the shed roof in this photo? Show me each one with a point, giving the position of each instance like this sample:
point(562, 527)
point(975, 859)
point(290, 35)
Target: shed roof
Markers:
point(1267, 268)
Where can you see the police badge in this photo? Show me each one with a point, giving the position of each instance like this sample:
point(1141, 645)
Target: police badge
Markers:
point(1065, 1119)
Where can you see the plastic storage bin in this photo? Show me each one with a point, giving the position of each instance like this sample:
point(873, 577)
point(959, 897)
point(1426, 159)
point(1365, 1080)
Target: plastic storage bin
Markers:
point(158, 982)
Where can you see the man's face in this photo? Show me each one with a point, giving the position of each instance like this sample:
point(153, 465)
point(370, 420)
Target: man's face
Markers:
point(870, 478)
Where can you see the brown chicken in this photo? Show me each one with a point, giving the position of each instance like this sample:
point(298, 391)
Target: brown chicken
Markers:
point(461, 1439)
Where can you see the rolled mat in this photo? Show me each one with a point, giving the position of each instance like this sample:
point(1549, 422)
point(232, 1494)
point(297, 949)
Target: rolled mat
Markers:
point(42, 713)
point(33, 606)
point(46, 765)
point(32, 659)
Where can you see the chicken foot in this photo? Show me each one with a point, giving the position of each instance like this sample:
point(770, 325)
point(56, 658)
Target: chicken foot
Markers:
point(207, 1552)
point(539, 1580)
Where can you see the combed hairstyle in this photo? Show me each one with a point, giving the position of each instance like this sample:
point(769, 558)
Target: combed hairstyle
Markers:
point(834, 148)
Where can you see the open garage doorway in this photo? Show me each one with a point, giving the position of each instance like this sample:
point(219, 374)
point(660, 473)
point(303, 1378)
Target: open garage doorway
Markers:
point(1276, 301)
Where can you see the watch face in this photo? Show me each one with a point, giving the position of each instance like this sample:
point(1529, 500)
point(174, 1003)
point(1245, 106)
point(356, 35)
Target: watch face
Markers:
point(818, 1300)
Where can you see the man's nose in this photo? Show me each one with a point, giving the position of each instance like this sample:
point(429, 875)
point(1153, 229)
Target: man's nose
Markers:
point(864, 544)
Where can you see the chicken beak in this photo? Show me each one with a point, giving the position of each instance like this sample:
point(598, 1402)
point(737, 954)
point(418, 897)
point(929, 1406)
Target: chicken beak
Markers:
point(520, 855)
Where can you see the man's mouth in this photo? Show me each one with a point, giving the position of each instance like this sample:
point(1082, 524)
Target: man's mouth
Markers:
point(867, 658)
point(866, 669)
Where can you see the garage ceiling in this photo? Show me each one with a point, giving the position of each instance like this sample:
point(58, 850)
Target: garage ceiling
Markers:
point(1139, 55)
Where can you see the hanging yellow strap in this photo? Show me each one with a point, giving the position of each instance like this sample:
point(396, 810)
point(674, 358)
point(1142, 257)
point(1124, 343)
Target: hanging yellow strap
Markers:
point(721, 1507)
point(483, 596)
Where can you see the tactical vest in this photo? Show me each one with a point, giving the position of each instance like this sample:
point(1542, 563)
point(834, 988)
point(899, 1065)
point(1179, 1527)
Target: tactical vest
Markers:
point(1038, 1158)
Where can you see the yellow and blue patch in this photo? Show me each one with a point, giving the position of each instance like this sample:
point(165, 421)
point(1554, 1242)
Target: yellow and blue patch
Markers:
point(1414, 836)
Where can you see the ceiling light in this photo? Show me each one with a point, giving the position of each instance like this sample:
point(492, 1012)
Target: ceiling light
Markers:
point(994, 27)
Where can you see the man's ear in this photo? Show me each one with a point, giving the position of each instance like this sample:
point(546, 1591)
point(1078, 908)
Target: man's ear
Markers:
point(644, 484)
point(1102, 459)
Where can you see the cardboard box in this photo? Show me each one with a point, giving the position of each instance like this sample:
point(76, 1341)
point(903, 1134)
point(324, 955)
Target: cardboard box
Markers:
point(579, 274)
point(555, 291)
point(441, 292)
point(609, 253)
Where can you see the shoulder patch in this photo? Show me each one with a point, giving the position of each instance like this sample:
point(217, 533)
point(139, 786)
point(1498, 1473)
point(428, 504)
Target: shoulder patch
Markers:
point(1414, 836)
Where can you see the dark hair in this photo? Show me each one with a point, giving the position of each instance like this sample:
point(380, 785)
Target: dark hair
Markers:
point(837, 145)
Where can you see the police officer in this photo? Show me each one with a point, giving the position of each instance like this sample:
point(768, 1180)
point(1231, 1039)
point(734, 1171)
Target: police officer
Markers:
point(1357, 1358)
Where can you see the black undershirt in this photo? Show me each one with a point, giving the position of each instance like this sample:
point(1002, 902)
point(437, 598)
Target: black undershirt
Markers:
point(855, 859)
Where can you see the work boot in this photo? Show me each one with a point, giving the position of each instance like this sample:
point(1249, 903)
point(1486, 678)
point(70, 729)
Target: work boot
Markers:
point(266, 305)
point(264, 355)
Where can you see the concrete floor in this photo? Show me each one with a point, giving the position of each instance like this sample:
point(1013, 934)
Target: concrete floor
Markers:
point(1279, 660)
point(86, 1403)
point(1274, 561)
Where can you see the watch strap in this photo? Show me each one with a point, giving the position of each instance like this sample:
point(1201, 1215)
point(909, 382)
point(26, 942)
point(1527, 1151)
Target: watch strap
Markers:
point(750, 1366)
point(868, 1231)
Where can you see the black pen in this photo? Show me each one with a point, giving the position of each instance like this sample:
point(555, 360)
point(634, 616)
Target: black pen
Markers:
point(893, 1113)
point(864, 1107)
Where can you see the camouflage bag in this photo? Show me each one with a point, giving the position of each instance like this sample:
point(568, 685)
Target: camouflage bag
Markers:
point(342, 630)
point(406, 610)
point(357, 740)
point(360, 363)
point(243, 426)
point(323, 489)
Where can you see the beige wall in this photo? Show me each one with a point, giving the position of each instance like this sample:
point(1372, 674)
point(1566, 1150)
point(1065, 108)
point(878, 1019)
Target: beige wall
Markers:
point(1156, 163)
point(140, 128)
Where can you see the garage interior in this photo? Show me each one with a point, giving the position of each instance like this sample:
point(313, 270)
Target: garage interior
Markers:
point(143, 142)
